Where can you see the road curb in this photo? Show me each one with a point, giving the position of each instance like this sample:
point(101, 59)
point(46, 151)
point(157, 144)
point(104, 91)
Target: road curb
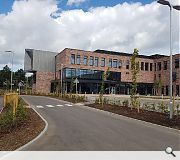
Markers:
point(37, 137)
point(118, 117)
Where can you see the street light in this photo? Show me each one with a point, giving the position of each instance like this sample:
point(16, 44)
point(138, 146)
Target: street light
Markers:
point(167, 3)
point(11, 67)
point(61, 78)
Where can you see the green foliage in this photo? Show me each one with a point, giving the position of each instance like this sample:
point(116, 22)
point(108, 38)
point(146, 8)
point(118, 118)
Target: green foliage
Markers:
point(134, 72)
point(125, 103)
point(7, 119)
point(72, 84)
point(105, 75)
point(5, 76)
point(157, 86)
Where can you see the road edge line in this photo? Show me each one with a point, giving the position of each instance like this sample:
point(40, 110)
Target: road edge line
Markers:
point(39, 135)
point(118, 115)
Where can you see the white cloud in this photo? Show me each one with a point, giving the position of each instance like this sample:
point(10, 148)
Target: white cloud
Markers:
point(119, 28)
point(75, 2)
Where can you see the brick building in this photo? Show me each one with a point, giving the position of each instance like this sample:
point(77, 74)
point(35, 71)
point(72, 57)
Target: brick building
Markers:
point(88, 68)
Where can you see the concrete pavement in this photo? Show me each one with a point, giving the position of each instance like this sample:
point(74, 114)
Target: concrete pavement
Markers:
point(76, 128)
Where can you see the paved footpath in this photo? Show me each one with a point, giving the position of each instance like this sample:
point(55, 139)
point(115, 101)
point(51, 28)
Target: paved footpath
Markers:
point(76, 128)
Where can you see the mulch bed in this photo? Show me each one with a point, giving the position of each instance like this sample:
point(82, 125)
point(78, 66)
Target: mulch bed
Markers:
point(148, 116)
point(23, 133)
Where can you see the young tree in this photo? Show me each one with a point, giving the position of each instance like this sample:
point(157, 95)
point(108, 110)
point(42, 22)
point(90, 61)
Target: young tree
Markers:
point(105, 75)
point(134, 72)
point(72, 84)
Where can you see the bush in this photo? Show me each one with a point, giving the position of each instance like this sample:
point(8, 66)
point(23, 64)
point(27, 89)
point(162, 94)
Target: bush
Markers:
point(8, 121)
point(125, 103)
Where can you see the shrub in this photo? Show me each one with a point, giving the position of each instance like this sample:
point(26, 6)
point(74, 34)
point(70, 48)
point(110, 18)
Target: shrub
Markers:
point(125, 103)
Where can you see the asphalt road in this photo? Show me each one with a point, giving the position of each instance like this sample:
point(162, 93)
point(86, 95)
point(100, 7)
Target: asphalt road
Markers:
point(76, 128)
point(1, 102)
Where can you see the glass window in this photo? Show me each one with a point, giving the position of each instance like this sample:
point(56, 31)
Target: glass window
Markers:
point(176, 63)
point(91, 61)
point(77, 72)
point(120, 63)
point(96, 61)
point(102, 62)
point(165, 65)
point(85, 60)
point(151, 65)
point(159, 66)
point(177, 90)
point(78, 59)
point(159, 76)
point(154, 66)
point(72, 58)
point(167, 90)
point(174, 76)
point(127, 64)
point(146, 66)
point(115, 64)
point(142, 66)
point(110, 62)
point(73, 72)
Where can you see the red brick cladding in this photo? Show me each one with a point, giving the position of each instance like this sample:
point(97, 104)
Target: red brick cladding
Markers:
point(165, 74)
point(65, 58)
point(43, 82)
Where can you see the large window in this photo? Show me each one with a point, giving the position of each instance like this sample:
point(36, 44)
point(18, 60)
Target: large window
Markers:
point(96, 61)
point(102, 62)
point(174, 76)
point(85, 60)
point(151, 66)
point(110, 62)
point(115, 63)
point(176, 63)
point(165, 65)
point(120, 64)
point(70, 72)
point(154, 66)
point(127, 64)
point(146, 66)
point(72, 58)
point(78, 59)
point(142, 66)
point(114, 76)
point(177, 90)
point(91, 63)
point(159, 66)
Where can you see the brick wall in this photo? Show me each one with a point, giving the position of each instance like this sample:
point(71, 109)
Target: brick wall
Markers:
point(65, 58)
point(43, 82)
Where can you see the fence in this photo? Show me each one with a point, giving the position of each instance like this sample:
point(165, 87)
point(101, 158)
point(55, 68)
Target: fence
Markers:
point(12, 100)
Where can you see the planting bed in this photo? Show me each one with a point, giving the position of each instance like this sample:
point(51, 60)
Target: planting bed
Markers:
point(148, 116)
point(18, 136)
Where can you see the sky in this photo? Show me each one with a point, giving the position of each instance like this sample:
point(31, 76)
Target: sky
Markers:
point(115, 25)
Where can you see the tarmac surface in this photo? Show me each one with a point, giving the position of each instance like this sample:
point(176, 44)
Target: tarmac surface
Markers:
point(75, 128)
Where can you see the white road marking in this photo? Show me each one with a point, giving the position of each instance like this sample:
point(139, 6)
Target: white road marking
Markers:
point(59, 105)
point(39, 106)
point(50, 106)
point(69, 105)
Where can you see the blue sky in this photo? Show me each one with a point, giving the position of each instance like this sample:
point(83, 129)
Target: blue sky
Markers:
point(30, 26)
point(6, 5)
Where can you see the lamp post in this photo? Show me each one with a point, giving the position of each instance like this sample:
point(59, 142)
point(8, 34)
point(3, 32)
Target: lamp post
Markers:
point(167, 3)
point(12, 61)
point(61, 78)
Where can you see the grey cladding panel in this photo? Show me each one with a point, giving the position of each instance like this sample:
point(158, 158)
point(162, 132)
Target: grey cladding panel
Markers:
point(44, 61)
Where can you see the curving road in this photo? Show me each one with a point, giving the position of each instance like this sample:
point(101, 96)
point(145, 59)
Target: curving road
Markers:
point(77, 128)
